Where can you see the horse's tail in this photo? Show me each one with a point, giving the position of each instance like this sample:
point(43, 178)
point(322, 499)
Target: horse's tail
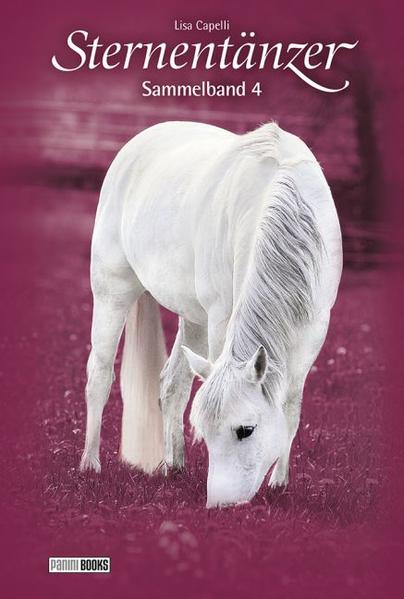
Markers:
point(143, 358)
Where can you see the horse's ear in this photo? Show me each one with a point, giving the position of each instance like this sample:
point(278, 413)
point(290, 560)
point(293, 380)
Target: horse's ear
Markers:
point(199, 365)
point(256, 368)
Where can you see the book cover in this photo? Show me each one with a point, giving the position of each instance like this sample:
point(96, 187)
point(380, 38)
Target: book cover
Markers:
point(201, 258)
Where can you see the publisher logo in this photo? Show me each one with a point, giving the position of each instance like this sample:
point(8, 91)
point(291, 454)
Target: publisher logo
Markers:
point(72, 565)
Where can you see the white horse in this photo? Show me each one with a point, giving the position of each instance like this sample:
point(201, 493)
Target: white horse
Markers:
point(239, 236)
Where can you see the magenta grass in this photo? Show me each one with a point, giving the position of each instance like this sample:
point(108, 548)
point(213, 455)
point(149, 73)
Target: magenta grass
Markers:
point(319, 534)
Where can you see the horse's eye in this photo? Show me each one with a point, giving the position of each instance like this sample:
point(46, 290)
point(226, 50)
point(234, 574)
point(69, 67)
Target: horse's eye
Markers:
point(243, 432)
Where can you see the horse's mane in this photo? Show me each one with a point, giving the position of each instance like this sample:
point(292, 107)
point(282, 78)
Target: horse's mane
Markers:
point(263, 142)
point(277, 294)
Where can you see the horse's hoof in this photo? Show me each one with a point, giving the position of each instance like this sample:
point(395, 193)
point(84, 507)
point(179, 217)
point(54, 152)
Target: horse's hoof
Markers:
point(165, 468)
point(162, 468)
point(278, 480)
point(89, 462)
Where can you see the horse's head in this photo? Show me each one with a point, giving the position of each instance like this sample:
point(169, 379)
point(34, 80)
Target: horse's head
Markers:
point(244, 429)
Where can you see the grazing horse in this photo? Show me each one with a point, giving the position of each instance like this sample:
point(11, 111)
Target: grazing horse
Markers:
point(239, 236)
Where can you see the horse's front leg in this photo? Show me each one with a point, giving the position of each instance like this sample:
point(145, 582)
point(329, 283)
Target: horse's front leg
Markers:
point(175, 389)
point(292, 409)
point(302, 357)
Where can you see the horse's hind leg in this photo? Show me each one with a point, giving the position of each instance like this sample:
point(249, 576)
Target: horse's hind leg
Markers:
point(114, 292)
point(302, 357)
point(176, 383)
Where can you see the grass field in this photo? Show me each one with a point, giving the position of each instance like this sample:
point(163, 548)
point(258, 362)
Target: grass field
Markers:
point(317, 537)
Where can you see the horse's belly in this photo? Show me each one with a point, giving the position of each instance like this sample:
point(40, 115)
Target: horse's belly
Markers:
point(172, 289)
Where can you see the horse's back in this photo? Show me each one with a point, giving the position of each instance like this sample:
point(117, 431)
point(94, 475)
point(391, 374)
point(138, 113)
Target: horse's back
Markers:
point(176, 194)
point(162, 140)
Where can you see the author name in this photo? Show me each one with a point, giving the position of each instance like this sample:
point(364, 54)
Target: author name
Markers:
point(201, 25)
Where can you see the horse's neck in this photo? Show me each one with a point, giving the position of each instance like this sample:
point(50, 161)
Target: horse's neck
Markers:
point(251, 324)
point(276, 296)
point(246, 205)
